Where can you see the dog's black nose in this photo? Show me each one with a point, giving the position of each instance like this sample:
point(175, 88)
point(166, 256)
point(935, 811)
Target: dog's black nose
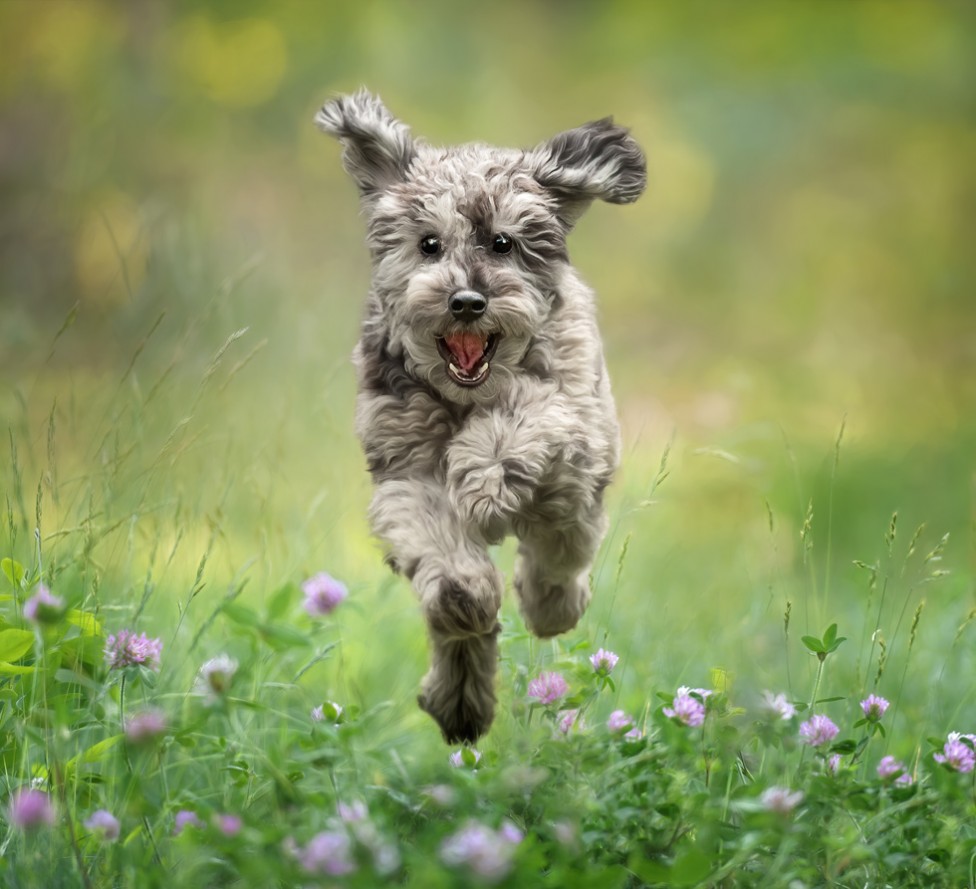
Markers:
point(466, 305)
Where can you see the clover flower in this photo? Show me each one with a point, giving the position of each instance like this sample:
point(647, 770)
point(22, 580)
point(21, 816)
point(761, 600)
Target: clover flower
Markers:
point(777, 705)
point(874, 707)
point(956, 754)
point(215, 677)
point(635, 734)
point(442, 795)
point(889, 767)
point(328, 853)
point(228, 825)
point(780, 800)
point(603, 662)
point(571, 720)
point(353, 812)
point(141, 728)
point(833, 763)
point(465, 756)
point(104, 825)
point(323, 594)
point(330, 711)
point(185, 818)
point(44, 607)
point(548, 688)
point(511, 832)
point(818, 731)
point(31, 809)
point(620, 721)
point(126, 649)
point(688, 710)
point(485, 852)
point(904, 780)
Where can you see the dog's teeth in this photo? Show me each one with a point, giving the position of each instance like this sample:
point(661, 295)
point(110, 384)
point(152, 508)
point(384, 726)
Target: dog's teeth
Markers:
point(483, 369)
point(455, 368)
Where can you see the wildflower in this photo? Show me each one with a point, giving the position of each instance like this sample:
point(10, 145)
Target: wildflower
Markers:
point(818, 731)
point(904, 780)
point(442, 795)
point(833, 763)
point(781, 800)
point(619, 721)
point(889, 767)
point(323, 593)
point(548, 688)
point(566, 834)
point(185, 818)
point(510, 832)
point(487, 853)
point(228, 825)
point(778, 706)
point(329, 711)
point(44, 607)
point(603, 662)
point(104, 825)
point(329, 853)
point(386, 858)
point(215, 678)
point(141, 728)
point(31, 809)
point(956, 754)
point(635, 734)
point(874, 707)
point(126, 649)
point(571, 720)
point(353, 812)
point(686, 709)
point(466, 756)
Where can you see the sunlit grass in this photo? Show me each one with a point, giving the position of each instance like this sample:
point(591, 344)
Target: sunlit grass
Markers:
point(188, 497)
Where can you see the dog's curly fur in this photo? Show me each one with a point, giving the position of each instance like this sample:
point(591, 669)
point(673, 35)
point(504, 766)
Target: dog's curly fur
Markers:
point(484, 406)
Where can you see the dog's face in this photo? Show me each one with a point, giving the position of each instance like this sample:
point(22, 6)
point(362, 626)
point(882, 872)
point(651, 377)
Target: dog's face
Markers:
point(468, 243)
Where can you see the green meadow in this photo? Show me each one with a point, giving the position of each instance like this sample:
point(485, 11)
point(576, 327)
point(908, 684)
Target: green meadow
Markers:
point(790, 326)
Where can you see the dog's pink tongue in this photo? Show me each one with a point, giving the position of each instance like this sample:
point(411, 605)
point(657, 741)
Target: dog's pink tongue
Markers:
point(467, 348)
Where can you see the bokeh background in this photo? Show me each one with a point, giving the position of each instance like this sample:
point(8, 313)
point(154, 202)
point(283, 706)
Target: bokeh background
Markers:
point(789, 311)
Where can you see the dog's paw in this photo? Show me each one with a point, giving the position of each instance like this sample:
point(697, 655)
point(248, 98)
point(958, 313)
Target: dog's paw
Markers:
point(550, 608)
point(459, 690)
point(489, 497)
point(462, 606)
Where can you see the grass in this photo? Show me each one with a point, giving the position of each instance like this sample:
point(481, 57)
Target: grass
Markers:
point(188, 499)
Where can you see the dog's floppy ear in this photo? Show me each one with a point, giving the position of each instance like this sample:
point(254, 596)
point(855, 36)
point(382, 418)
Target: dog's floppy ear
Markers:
point(377, 148)
point(597, 160)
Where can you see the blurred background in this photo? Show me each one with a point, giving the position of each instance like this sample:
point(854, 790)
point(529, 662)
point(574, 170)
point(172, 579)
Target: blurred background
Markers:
point(789, 311)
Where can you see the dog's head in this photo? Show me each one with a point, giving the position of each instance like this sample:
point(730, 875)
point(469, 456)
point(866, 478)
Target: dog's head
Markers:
point(469, 243)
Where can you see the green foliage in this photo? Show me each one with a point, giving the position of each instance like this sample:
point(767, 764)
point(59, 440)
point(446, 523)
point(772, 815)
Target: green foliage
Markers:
point(254, 790)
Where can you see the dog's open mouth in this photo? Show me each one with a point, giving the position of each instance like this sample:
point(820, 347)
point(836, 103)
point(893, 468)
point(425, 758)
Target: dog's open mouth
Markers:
point(468, 356)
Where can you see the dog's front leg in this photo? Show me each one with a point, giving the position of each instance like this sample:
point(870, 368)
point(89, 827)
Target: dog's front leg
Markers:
point(495, 463)
point(460, 592)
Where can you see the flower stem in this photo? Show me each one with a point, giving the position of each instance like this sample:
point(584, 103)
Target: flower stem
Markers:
point(816, 684)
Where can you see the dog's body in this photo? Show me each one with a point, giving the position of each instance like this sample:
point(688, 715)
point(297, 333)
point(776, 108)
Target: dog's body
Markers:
point(484, 405)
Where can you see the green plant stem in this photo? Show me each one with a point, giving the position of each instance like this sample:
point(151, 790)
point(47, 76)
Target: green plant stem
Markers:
point(816, 683)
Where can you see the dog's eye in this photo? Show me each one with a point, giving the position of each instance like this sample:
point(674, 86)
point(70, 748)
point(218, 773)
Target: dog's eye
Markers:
point(502, 244)
point(430, 245)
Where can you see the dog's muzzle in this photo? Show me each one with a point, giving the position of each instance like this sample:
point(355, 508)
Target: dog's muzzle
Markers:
point(467, 305)
point(467, 353)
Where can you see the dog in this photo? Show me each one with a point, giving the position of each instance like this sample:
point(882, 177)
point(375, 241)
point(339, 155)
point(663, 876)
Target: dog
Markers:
point(484, 407)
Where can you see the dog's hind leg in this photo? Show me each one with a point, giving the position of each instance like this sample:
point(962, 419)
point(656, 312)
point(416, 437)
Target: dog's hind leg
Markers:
point(552, 573)
point(460, 592)
point(459, 689)
point(460, 589)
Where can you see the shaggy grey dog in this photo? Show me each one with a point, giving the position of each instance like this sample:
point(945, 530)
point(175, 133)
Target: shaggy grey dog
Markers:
point(484, 406)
